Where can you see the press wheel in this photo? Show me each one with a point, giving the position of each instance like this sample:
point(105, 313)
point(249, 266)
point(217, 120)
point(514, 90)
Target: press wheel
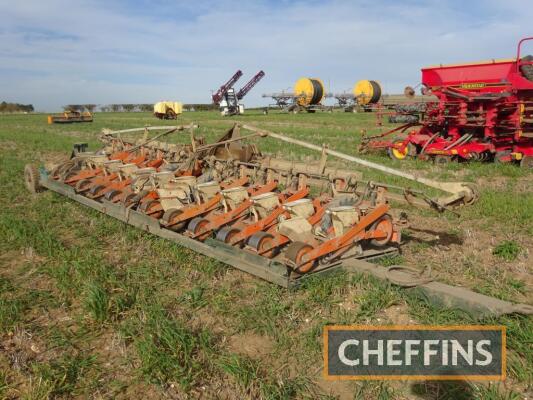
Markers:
point(129, 198)
point(385, 225)
point(261, 241)
point(294, 254)
point(95, 190)
point(113, 195)
point(197, 225)
point(82, 185)
point(227, 233)
point(169, 216)
point(31, 179)
point(151, 207)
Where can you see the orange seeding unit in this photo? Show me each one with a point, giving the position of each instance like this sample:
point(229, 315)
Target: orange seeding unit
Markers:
point(277, 219)
point(214, 199)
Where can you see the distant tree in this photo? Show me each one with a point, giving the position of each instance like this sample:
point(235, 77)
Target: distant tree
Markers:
point(90, 107)
point(128, 107)
point(116, 107)
point(15, 107)
point(73, 107)
point(146, 107)
point(105, 108)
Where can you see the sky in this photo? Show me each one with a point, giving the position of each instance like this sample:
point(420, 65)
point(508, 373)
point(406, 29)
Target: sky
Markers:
point(57, 52)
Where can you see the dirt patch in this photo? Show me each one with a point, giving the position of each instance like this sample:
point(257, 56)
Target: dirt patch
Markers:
point(398, 315)
point(250, 344)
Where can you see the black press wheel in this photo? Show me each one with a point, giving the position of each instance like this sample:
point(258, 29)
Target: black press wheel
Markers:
point(227, 233)
point(197, 225)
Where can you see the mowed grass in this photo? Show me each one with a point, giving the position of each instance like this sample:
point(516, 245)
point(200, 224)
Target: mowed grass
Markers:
point(90, 307)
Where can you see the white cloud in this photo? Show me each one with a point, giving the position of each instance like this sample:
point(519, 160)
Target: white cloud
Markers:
point(57, 52)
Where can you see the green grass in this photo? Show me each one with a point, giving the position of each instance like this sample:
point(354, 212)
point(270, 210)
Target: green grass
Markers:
point(118, 312)
point(508, 250)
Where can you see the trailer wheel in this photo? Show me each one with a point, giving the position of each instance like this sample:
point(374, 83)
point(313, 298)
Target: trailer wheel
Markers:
point(526, 162)
point(385, 225)
point(294, 254)
point(396, 154)
point(31, 179)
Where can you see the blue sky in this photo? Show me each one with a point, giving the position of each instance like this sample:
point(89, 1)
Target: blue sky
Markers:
point(58, 52)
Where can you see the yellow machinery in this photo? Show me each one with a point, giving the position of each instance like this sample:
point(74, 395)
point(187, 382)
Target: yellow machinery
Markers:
point(309, 91)
point(168, 109)
point(367, 92)
point(70, 116)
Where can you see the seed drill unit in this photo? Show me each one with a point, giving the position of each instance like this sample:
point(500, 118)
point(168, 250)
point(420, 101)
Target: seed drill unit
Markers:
point(277, 219)
point(484, 112)
point(228, 100)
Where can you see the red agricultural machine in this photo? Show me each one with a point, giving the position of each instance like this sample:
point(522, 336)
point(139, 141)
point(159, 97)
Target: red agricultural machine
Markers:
point(484, 112)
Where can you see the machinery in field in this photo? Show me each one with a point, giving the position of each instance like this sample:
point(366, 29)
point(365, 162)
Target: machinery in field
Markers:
point(228, 201)
point(71, 116)
point(365, 94)
point(228, 100)
point(484, 111)
point(168, 109)
point(307, 95)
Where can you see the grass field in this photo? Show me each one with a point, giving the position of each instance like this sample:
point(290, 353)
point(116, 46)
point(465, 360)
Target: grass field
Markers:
point(90, 307)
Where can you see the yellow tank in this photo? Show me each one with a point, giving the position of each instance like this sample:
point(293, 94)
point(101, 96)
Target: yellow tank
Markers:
point(168, 109)
point(310, 91)
point(367, 92)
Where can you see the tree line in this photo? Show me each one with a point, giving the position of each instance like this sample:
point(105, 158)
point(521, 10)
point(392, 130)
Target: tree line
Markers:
point(133, 107)
point(15, 107)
